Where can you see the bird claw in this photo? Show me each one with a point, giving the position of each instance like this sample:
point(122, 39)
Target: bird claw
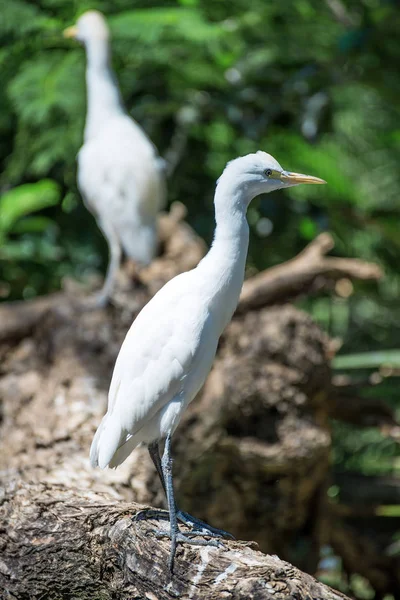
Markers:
point(150, 513)
point(206, 529)
point(197, 526)
point(99, 299)
point(187, 538)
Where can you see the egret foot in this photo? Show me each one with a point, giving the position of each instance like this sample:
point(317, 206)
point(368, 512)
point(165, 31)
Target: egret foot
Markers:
point(179, 537)
point(197, 526)
point(187, 538)
point(190, 521)
point(99, 300)
point(93, 301)
point(151, 513)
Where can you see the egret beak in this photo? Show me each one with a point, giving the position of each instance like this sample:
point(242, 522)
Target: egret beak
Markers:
point(295, 178)
point(70, 32)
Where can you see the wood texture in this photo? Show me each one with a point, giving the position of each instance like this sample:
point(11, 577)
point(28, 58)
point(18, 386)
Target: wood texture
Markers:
point(62, 543)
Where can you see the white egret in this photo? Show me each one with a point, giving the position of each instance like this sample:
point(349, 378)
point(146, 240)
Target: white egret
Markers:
point(170, 347)
point(120, 174)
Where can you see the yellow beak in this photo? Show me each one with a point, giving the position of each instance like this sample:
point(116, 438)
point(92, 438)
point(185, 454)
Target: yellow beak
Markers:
point(294, 178)
point(70, 32)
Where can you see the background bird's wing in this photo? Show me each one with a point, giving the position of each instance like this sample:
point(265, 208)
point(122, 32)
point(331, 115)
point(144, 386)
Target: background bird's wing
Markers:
point(122, 185)
point(120, 166)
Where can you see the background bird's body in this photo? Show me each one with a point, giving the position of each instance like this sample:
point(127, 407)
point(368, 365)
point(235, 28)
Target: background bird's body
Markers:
point(120, 175)
point(122, 184)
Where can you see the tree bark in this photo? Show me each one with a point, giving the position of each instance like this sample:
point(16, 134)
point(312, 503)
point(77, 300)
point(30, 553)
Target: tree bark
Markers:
point(62, 543)
point(310, 271)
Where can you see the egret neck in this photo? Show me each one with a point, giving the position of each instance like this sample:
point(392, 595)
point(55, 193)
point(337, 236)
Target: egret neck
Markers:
point(223, 266)
point(103, 98)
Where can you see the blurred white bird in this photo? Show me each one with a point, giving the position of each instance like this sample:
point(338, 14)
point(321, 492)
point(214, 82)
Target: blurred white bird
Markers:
point(170, 347)
point(120, 174)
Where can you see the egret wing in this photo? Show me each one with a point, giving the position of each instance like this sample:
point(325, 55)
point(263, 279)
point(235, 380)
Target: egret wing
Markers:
point(158, 353)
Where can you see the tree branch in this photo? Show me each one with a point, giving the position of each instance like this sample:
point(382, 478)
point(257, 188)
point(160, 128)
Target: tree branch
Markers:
point(364, 412)
point(367, 492)
point(62, 543)
point(311, 270)
point(341, 14)
point(365, 554)
point(308, 271)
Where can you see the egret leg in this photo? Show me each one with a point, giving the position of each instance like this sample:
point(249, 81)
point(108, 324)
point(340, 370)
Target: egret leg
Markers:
point(154, 451)
point(199, 527)
point(166, 465)
point(114, 248)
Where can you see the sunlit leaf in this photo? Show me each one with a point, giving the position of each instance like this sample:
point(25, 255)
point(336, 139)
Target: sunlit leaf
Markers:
point(368, 360)
point(25, 199)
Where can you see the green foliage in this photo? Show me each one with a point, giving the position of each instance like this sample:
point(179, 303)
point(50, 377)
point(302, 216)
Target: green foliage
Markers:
point(368, 360)
point(24, 238)
point(22, 201)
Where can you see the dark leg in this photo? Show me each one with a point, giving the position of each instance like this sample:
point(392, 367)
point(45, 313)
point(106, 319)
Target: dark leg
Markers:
point(154, 452)
point(154, 513)
point(198, 527)
point(166, 465)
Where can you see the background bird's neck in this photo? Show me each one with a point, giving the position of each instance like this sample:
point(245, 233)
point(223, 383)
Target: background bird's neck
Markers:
point(224, 265)
point(103, 98)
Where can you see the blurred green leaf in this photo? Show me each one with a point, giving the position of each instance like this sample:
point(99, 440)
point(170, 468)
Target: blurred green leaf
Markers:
point(32, 225)
point(149, 25)
point(388, 511)
point(368, 360)
point(25, 199)
point(308, 228)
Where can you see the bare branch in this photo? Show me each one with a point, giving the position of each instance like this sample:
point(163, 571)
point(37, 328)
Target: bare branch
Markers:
point(364, 412)
point(340, 12)
point(308, 271)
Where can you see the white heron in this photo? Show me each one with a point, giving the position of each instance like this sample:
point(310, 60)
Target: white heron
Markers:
point(120, 174)
point(170, 347)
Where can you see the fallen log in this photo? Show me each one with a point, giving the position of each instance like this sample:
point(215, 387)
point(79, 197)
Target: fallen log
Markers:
point(62, 543)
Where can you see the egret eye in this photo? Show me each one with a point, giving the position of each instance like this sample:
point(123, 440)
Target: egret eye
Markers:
point(268, 172)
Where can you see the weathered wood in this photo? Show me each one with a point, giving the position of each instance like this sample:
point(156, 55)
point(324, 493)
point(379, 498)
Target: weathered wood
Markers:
point(364, 412)
point(365, 493)
point(261, 427)
point(61, 543)
point(310, 271)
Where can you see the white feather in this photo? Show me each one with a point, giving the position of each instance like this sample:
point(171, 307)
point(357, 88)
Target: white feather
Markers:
point(119, 171)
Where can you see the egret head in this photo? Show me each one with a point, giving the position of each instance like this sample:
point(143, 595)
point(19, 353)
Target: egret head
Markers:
point(90, 26)
point(260, 173)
